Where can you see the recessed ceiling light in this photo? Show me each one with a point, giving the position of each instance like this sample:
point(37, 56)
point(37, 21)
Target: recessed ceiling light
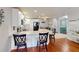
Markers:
point(65, 16)
point(35, 11)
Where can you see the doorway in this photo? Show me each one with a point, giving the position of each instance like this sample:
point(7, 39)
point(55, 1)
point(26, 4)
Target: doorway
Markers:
point(63, 26)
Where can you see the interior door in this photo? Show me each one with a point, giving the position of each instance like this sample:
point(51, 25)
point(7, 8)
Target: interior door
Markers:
point(63, 26)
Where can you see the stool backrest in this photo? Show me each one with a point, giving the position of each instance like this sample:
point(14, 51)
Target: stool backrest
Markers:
point(54, 31)
point(43, 36)
point(19, 39)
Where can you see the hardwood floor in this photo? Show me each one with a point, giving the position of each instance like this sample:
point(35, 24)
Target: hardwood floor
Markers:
point(60, 45)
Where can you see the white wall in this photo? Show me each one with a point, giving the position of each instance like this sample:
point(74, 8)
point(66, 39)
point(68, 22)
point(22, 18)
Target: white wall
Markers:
point(14, 19)
point(5, 30)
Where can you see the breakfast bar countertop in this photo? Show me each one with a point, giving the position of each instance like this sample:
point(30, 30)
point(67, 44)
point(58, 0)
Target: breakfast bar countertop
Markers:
point(36, 32)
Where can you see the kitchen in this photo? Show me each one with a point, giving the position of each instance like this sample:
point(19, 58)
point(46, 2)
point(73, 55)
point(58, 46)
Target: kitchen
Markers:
point(34, 20)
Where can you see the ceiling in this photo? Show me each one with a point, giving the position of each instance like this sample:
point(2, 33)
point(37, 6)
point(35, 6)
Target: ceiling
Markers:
point(51, 12)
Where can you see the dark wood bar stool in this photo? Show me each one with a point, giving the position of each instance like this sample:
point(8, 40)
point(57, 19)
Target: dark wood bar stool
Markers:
point(52, 36)
point(20, 40)
point(42, 40)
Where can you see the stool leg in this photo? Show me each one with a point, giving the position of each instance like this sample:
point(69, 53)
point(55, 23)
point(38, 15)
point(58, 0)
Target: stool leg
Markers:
point(17, 48)
point(54, 39)
point(26, 47)
point(46, 46)
point(38, 46)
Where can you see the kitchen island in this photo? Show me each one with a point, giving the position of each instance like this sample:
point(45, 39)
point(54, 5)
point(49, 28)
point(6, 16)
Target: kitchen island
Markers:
point(31, 37)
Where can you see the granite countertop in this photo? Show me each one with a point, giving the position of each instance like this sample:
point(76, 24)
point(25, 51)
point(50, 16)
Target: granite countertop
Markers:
point(35, 32)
